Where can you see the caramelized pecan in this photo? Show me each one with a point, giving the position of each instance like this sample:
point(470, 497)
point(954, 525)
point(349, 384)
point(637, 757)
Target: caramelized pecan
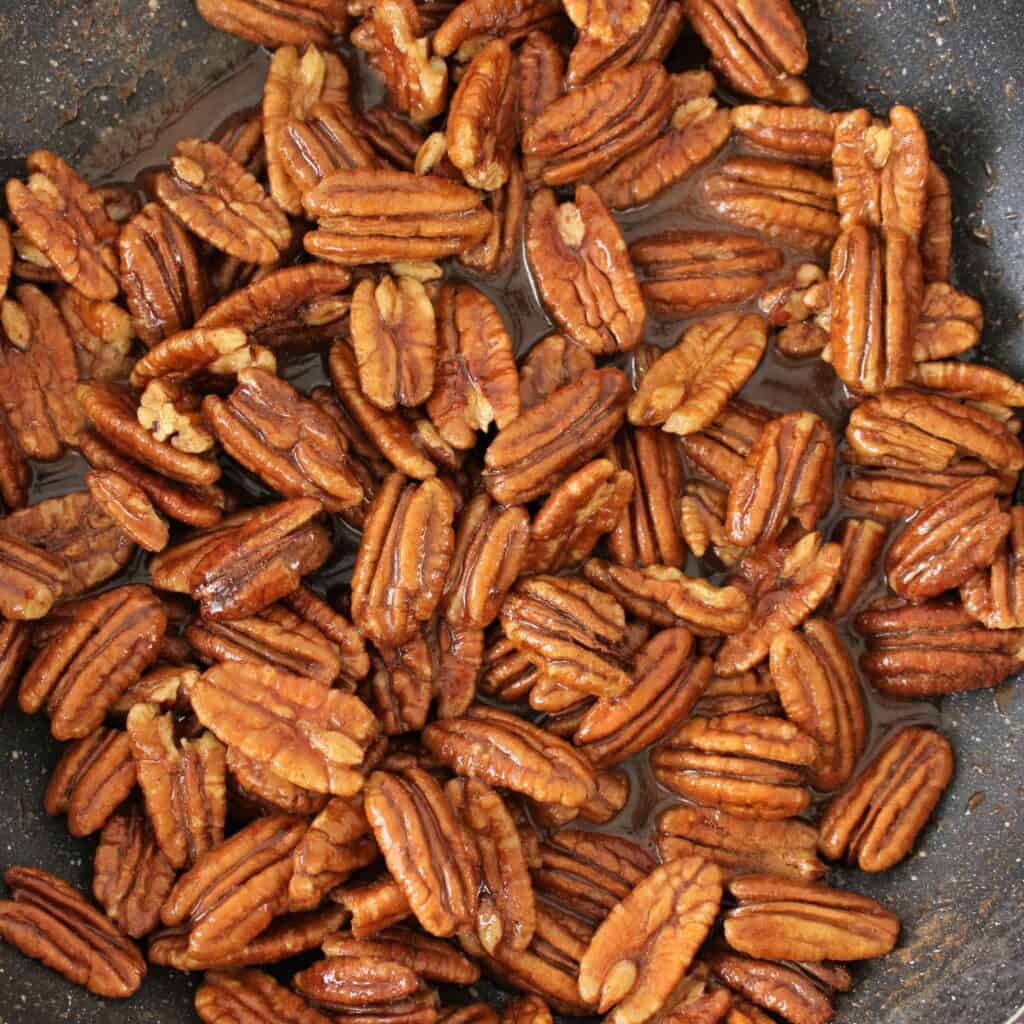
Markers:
point(501, 243)
point(995, 596)
point(129, 506)
point(251, 996)
point(32, 579)
point(720, 448)
point(257, 789)
point(101, 332)
point(551, 364)
point(861, 543)
point(540, 70)
point(702, 521)
point(937, 230)
point(525, 1010)
point(15, 640)
point(473, 21)
point(802, 132)
point(278, 22)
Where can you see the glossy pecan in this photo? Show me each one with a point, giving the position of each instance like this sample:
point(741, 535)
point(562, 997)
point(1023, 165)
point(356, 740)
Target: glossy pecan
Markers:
point(255, 789)
point(15, 640)
point(720, 448)
point(540, 71)
point(526, 1010)
point(802, 132)
point(401, 686)
point(101, 332)
point(359, 984)
point(785, 201)
point(702, 521)
point(131, 875)
point(861, 541)
point(937, 230)
point(278, 22)
point(546, 443)
point(801, 306)
point(989, 389)
point(499, 246)
point(995, 596)
point(582, 270)
point(786, 919)
point(432, 959)
point(507, 673)
point(212, 354)
point(876, 820)
point(6, 257)
point(129, 506)
point(551, 364)
point(251, 996)
point(752, 692)
point(641, 951)
point(32, 578)
point(687, 272)
point(476, 382)
point(474, 21)
point(48, 920)
point(311, 735)
point(374, 906)
point(748, 765)
point(505, 751)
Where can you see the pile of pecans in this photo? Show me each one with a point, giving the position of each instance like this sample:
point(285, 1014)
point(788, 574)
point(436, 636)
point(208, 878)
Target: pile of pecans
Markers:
point(576, 564)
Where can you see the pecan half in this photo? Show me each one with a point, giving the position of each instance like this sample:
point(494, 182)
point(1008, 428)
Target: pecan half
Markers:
point(786, 919)
point(500, 245)
point(752, 692)
point(401, 686)
point(212, 354)
point(862, 541)
point(990, 389)
point(950, 323)
point(720, 448)
point(101, 332)
point(359, 983)
point(48, 920)
point(643, 948)
point(540, 70)
point(15, 640)
point(937, 230)
point(995, 596)
point(802, 132)
point(374, 906)
point(430, 958)
point(582, 269)
point(278, 22)
point(251, 996)
point(876, 820)
point(32, 579)
point(129, 506)
point(551, 364)
point(474, 21)
point(702, 521)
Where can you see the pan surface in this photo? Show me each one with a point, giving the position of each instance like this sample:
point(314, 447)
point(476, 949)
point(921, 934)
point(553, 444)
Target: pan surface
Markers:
point(96, 79)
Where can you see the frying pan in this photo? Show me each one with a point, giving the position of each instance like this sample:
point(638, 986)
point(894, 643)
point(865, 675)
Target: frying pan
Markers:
point(96, 79)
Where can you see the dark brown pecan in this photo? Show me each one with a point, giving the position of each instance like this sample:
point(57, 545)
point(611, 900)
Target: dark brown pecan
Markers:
point(101, 332)
point(949, 540)
point(786, 919)
point(84, 669)
point(933, 648)
point(94, 775)
point(251, 997)
point(862, 541)
point(540, 70)
point(506, 751)
point(720, 448)
point(129, 506)
point(475, 20)
point(500, 245)
point(801, 132)
point(48, 920)
point(476, 380)
point(739, 845)
point(749, 765)
point(257, 789)
point(32, 579)
point(428, 852)
point(234, 891)
point(278, 22)
point(876, 820)
point(937, 229)
point(131, 875)
point(66, 221)
point(995, 596)
point(551, 364)
point(687, 272)
point(313, 736)
point(218, 200)
point(378, 216)
point(432, 959)
point(643, 948)
point(546, 443)
point(785, 201)
point(759, 47)
point(582, 270)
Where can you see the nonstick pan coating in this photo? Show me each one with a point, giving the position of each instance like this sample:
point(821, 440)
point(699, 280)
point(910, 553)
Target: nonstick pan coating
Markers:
point(92, 79)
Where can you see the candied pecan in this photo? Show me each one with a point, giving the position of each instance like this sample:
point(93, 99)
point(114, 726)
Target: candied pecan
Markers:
point(802, 296)
point(257, 788)
point(217, 352)
point(506, 751)
point(14, 470)
point(311, 735)
point(785, 201)
point(350, 982)
point(476, 382)
point(48, 920)
point(250, 996)
point(989, 389)
point(583, 273)
point(401, 686)
point(32, 579)
point(995, 596)
point(183, 784)
point(101, 332)
point(739, 845)
point(551, 364)
point(933, 648)
point(668, 679)
point(430, 958)
point(937, 229)
point(686, 272)
point(498, 247)
point(375, 906)
point(643, 948)
point(752, 692)
point(720, 448)
point(6, 257)
point(702, 521)
point(475, 21)
point(540, 70)
point(760, 48)
point(84, 669)
point(234, 891)
point(370, 215)
point(862, 541)
point(66, 221)
point(15, 640)
point(278, 22)
point(508, 674)
point(688, 386)
point(525, 1010)
point(129, 506)
point(90, 780)
point(169, 411)
point(876, 820)
point(546, 443)
point(131, 875)
point(801, 132)
point(788, 919)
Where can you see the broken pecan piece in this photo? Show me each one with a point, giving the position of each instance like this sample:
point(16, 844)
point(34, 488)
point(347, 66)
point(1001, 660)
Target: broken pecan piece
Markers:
point(995, 596)
point(474, 21)
point(802, 132)
point(275, 23)
point(251, 996)
point(101, 332)
point(32, 580)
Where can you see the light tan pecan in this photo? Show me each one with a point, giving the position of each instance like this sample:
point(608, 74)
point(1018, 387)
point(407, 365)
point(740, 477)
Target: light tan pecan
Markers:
point(251, 997)
point(432, 959)
point(67, 223)
point(862, 541)
point(48, 920)
point(129, 506)
point(101, 332)
point(235, 890)
point(507, 752)
point(379, 216)
point(476, 382)
point(876, 288)
point(15, 640)
point(949, 540)
point(667, 680)
point(786, 919)
point(93, 776)
point(739, 845)
point(549, 441)
point(933, 648)
point(499, 246)
point(759, 47)
point(84, 669)
point(582, 270)
point(255, 789)
point(937, 230)
point(876, 820)
point(820, 691)
point(720, 448)
point(687, 272)
point(551, 364)
point(278, 22)
point(802, 132)
point(472, 22)
point(131, 875)
point(785, 201)
point(995, 596)
point(643, 948)
point(691, 384)
point(32, 579)
point(313, 736)
point(540, 70)
point(786, 476)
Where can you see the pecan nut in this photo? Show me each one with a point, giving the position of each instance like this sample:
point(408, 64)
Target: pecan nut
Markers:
point(261, 790)
point(551, 364)
point(278, 22)
point(702, 522)
point(433, 959)
point(500, 245)
point(861, 541)
point(950, 323)
point(102, 334)
point(720, 448)
point(540, 72)
point(474, 20)
point(246, 995)
point(32, 579)
point(129, 506)
point(995, 596)
point(525, 1010)
point(937, 230)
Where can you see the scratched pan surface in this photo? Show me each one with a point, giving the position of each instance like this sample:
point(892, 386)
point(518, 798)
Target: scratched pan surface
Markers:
point(94, 79)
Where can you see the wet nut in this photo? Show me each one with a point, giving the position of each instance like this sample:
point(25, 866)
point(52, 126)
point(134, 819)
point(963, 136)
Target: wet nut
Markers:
point(752, 692)
point(129, 506)
point(473, 21)
point(402, 685)
point(950, 323)
point(540, 70)
point(355, 983)
point(32, 579)
point(6, 257)
point(375, 906)
point(525, 1010)
point(101, 332)
point(687, 272)
point(995, 596)
point(802, 132)
point(500, 245)
point(551, 364)
point(583, 273)
point(876, 820)
point(260, 790)
point(689, 385)
point(720, 448)
point(202, 351)
point(862, 541)
point(432, 959)
point(937, 230)
point(278, 22)
point(324, 140)
point(251, 995)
